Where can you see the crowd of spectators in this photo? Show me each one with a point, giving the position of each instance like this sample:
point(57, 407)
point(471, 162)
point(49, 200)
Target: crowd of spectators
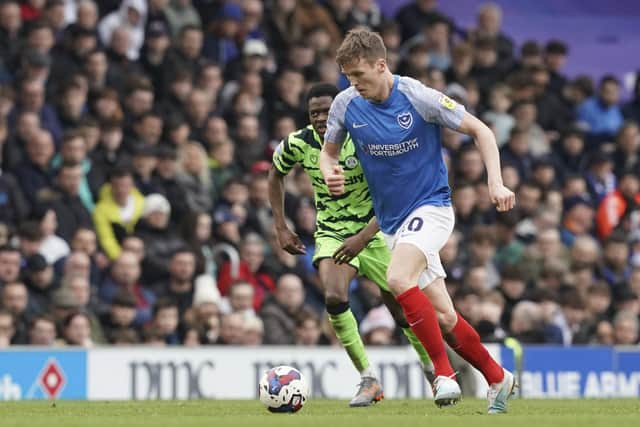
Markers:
point(135, 141)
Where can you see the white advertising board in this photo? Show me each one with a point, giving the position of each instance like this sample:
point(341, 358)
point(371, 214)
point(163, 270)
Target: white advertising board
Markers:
point(233, 373)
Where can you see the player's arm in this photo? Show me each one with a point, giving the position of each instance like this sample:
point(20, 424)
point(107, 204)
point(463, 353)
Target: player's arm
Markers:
point(485, 140)
point(330, 153)
point(352, 246)
point(282, 163)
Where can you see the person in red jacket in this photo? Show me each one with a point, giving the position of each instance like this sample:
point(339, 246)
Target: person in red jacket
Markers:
point(621, 208)
point(251, 270)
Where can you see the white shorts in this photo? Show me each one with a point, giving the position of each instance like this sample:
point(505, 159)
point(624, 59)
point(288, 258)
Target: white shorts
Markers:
point(428, 228)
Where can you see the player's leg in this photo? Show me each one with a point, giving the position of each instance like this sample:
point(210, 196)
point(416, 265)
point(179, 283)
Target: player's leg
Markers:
point(374, 260)
point(407, 264)
point(465, 341)
point(335, 280)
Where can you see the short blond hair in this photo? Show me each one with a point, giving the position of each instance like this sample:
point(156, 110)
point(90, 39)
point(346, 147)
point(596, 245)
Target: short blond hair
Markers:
point(361, 44)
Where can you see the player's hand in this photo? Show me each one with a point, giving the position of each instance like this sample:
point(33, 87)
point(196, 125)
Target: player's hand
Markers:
point(349, 249)
point(502, 197)
point(335, 181)
point(290, 242)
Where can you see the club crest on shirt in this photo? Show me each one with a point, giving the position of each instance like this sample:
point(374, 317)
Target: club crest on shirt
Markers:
point(447, 102)
point(405, 120)
point(351, 162)
point(314, 158)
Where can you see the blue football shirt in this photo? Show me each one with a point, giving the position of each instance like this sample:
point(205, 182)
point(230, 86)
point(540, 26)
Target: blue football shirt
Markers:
point(398, 144)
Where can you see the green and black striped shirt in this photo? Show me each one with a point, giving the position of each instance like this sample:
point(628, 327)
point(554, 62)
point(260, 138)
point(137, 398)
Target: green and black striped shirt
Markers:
point(339, 217)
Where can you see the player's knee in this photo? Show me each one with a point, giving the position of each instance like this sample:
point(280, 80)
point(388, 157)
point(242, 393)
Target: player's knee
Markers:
point(397, 283)
point(335, 296)
point(447, 320)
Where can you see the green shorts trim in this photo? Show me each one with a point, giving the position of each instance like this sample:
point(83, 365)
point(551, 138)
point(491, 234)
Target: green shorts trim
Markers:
point(371, 263)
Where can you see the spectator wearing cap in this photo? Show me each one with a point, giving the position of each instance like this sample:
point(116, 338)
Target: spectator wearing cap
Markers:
point(220, 41)
point(577, 220)
point(120, 315)
point(118, 210)
point(132, 16)
point(40, 281)
point(620, 208)
point(156, 13)
point(602, 113)
point(161, 240)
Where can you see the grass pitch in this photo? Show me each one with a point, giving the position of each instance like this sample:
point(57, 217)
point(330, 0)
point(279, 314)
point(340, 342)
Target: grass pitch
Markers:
point(321, 413)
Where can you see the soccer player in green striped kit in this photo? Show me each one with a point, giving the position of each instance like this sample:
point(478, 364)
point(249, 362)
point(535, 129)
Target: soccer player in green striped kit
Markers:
point(347, 242)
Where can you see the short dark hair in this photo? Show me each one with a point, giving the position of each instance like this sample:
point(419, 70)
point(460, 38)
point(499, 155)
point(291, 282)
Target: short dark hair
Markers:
point(322, 89)
point(30, 230)
point(120, 171)
point(556, 47)
point(163, 303)
point(608, 78)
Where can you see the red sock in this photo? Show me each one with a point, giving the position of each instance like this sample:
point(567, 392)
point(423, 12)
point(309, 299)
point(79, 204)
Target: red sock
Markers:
point(466, 342)
point(422, 319)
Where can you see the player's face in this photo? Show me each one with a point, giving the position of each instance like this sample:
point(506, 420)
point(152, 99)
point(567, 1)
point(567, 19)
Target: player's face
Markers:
point(319, 112)
point(366, 77)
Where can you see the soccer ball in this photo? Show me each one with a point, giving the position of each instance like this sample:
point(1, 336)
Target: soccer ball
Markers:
point(283, 389)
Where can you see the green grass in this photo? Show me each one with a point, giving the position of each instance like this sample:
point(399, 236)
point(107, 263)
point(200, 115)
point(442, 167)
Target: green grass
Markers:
point(321, 413)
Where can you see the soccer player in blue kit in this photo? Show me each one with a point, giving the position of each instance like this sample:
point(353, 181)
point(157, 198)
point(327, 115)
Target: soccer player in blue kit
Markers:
point(395, 123)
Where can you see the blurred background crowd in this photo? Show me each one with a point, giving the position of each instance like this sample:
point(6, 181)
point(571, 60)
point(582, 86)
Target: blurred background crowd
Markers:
point(136, 138)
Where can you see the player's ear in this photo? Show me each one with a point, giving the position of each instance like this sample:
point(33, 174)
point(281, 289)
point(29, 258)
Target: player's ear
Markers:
point(381, 65)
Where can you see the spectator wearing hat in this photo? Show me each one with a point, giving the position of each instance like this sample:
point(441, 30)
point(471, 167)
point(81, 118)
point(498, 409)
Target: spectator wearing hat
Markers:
point(40, 281)
point(131, 16)
point(205, 315)
point(220, 41)
point(165, 181)
point(377, 327)
point(161, 240)
point(118, 210)
point(156, 13)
